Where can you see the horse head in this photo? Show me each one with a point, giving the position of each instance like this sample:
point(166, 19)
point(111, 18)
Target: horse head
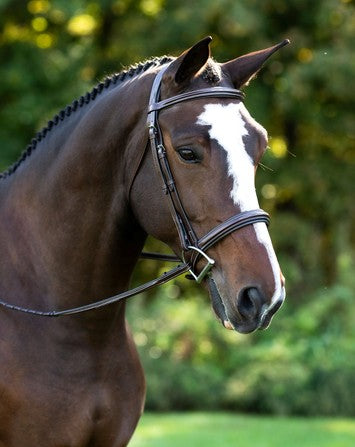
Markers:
point(214, 146)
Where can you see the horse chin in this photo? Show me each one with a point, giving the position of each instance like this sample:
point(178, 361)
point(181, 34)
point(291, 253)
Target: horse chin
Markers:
point(221, 312)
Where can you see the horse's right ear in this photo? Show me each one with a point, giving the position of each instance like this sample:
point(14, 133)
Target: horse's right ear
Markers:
point(189, 63)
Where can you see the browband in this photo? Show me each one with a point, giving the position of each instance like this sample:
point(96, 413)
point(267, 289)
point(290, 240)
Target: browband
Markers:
point(215, 92)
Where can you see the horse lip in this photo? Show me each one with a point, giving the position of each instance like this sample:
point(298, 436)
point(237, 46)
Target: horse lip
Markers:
point(218, 305)
point(228, 325)
point(268, 313)
point(246, 328)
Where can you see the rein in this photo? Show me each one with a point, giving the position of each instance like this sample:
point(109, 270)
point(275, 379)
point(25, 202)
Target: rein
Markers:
point(193, 248)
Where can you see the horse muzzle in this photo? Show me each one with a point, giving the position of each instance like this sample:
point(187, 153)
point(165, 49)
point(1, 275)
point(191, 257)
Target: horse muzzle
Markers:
point(252, 311)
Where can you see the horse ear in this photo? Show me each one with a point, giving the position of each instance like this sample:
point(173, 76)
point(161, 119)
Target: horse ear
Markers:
point(190, 62)
point(244, 68)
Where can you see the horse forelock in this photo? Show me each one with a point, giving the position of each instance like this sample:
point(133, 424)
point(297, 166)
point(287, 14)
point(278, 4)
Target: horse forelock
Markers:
point(212, 72)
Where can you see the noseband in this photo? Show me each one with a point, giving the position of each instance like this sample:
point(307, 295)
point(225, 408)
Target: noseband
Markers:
point(192, 247)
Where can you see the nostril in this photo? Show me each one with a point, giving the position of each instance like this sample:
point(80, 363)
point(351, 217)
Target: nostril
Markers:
point(250, 302)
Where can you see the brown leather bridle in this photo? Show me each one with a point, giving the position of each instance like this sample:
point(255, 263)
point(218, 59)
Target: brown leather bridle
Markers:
point(192, 247)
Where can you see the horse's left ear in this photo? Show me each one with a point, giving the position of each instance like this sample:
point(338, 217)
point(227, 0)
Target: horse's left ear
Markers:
point(189, 63)
point(244, 68)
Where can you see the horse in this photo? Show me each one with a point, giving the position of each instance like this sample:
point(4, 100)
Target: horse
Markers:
point(76, 209)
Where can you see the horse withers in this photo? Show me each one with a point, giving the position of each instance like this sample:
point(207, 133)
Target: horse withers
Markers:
point(75, 212)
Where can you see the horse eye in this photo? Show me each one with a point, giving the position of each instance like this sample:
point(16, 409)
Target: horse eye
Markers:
point(188, 155)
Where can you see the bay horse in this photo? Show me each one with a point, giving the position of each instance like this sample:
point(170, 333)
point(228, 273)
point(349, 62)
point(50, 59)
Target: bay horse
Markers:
point(75, 212)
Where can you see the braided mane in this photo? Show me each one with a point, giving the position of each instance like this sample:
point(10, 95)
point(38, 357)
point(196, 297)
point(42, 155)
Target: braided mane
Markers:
point(109, 81)
point(210, 74)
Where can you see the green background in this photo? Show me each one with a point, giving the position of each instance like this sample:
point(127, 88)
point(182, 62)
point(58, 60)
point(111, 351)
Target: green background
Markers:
point(54, 51)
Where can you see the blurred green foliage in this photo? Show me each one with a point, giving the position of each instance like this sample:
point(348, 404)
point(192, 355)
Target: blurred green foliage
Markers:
point(52, 51)
point(303, 364)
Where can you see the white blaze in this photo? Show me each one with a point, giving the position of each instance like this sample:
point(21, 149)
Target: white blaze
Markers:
point(227, 127)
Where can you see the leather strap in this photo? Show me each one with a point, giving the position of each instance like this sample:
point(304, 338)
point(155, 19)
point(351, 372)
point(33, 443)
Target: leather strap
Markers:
point(232, 224)
point(227, 227)
point(185, 231)
point(214, 92)
point(165, 277)
point(211, 238)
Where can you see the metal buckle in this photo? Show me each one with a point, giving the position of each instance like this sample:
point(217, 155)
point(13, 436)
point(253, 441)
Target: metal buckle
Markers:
point(207, 267)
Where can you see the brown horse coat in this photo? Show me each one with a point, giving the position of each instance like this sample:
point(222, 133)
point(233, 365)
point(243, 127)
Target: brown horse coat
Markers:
point(75, 212)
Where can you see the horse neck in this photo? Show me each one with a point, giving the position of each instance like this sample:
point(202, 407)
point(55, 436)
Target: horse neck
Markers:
point(67, 234)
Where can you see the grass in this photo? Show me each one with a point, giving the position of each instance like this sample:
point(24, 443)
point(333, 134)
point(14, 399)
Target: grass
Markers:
point(223, 429)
